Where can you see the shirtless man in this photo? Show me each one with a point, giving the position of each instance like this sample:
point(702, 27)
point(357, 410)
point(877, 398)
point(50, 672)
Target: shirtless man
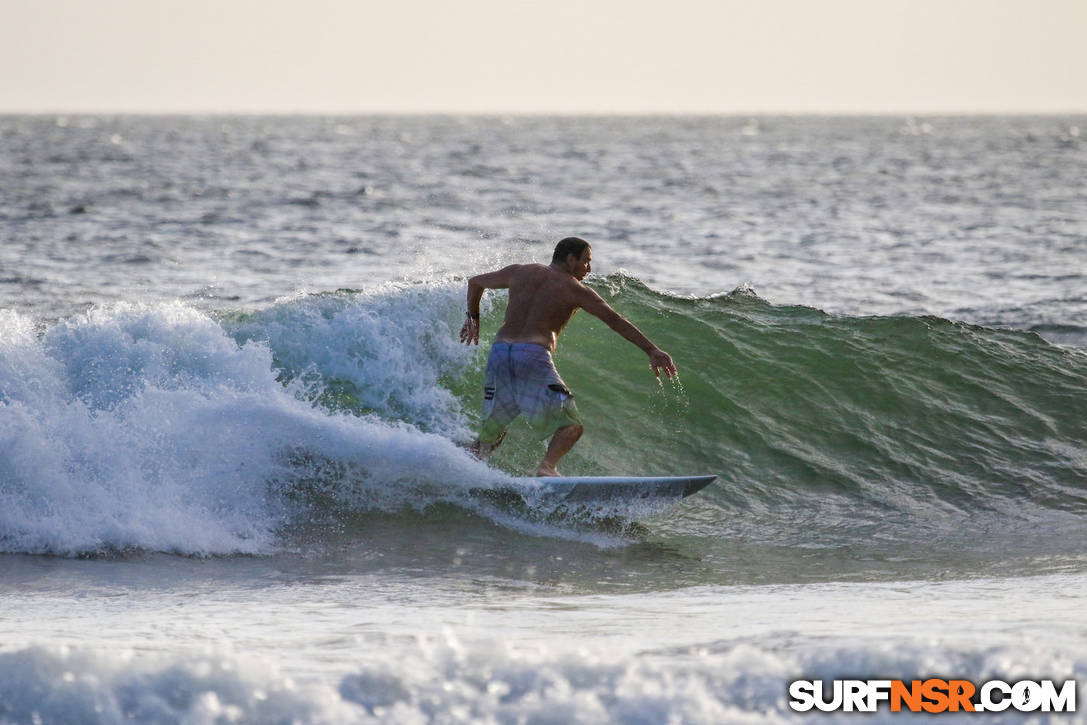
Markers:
point(521, 378)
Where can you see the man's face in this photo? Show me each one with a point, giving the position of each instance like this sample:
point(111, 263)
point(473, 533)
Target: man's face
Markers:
point(581, 266)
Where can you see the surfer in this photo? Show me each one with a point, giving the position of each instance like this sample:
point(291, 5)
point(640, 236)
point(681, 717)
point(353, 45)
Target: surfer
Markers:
point(521, 378)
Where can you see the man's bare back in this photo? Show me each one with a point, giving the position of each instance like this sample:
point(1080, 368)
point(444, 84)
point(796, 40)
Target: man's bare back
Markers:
point(541, 302)
point(542, 299)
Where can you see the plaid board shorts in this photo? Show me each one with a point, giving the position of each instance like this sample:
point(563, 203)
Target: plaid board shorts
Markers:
point(521, 380)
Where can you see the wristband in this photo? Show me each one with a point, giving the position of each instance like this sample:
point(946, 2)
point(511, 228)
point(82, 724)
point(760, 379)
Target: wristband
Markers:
point(472, 315)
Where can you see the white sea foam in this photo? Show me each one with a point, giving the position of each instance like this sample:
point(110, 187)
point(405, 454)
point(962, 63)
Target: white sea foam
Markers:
point(391, 346)
point(61, 686)
point(150, 427)
point(443, 680)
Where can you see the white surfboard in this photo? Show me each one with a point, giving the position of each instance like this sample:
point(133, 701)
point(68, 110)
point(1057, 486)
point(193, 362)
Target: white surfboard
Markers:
point(610, 488)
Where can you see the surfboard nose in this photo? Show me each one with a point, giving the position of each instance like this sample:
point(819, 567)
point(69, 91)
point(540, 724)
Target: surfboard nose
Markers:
point(697, 484)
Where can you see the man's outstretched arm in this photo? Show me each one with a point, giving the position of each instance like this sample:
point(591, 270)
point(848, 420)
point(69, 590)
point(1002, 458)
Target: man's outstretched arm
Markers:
point(595, 305)
point(500, 279)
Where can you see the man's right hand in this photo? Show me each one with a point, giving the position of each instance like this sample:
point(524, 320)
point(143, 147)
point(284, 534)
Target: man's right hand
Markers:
point(660, 360)
point(469, 334)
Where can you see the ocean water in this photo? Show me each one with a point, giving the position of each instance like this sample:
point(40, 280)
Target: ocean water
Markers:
point(233, 409)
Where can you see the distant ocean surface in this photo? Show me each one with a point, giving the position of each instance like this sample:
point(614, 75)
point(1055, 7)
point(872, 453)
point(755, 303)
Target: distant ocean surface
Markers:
point(233, 409)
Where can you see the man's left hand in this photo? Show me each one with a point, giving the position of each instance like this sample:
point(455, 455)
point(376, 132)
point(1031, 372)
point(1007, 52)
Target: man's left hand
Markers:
point(469, 334)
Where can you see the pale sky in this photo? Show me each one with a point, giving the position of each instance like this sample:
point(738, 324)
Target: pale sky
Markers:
point(561, 56)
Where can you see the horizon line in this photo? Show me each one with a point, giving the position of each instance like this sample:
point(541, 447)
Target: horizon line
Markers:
point(545, 113)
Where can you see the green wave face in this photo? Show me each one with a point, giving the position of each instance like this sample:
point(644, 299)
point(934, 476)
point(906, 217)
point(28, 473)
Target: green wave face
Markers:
point(828, 421)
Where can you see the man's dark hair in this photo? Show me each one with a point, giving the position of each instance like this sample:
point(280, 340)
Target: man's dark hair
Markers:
point(568, 246)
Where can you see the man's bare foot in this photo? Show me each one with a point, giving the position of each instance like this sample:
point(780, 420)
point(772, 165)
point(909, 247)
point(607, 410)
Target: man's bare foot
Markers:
point(483, 451)
point(563, 440)
point(547, 470)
